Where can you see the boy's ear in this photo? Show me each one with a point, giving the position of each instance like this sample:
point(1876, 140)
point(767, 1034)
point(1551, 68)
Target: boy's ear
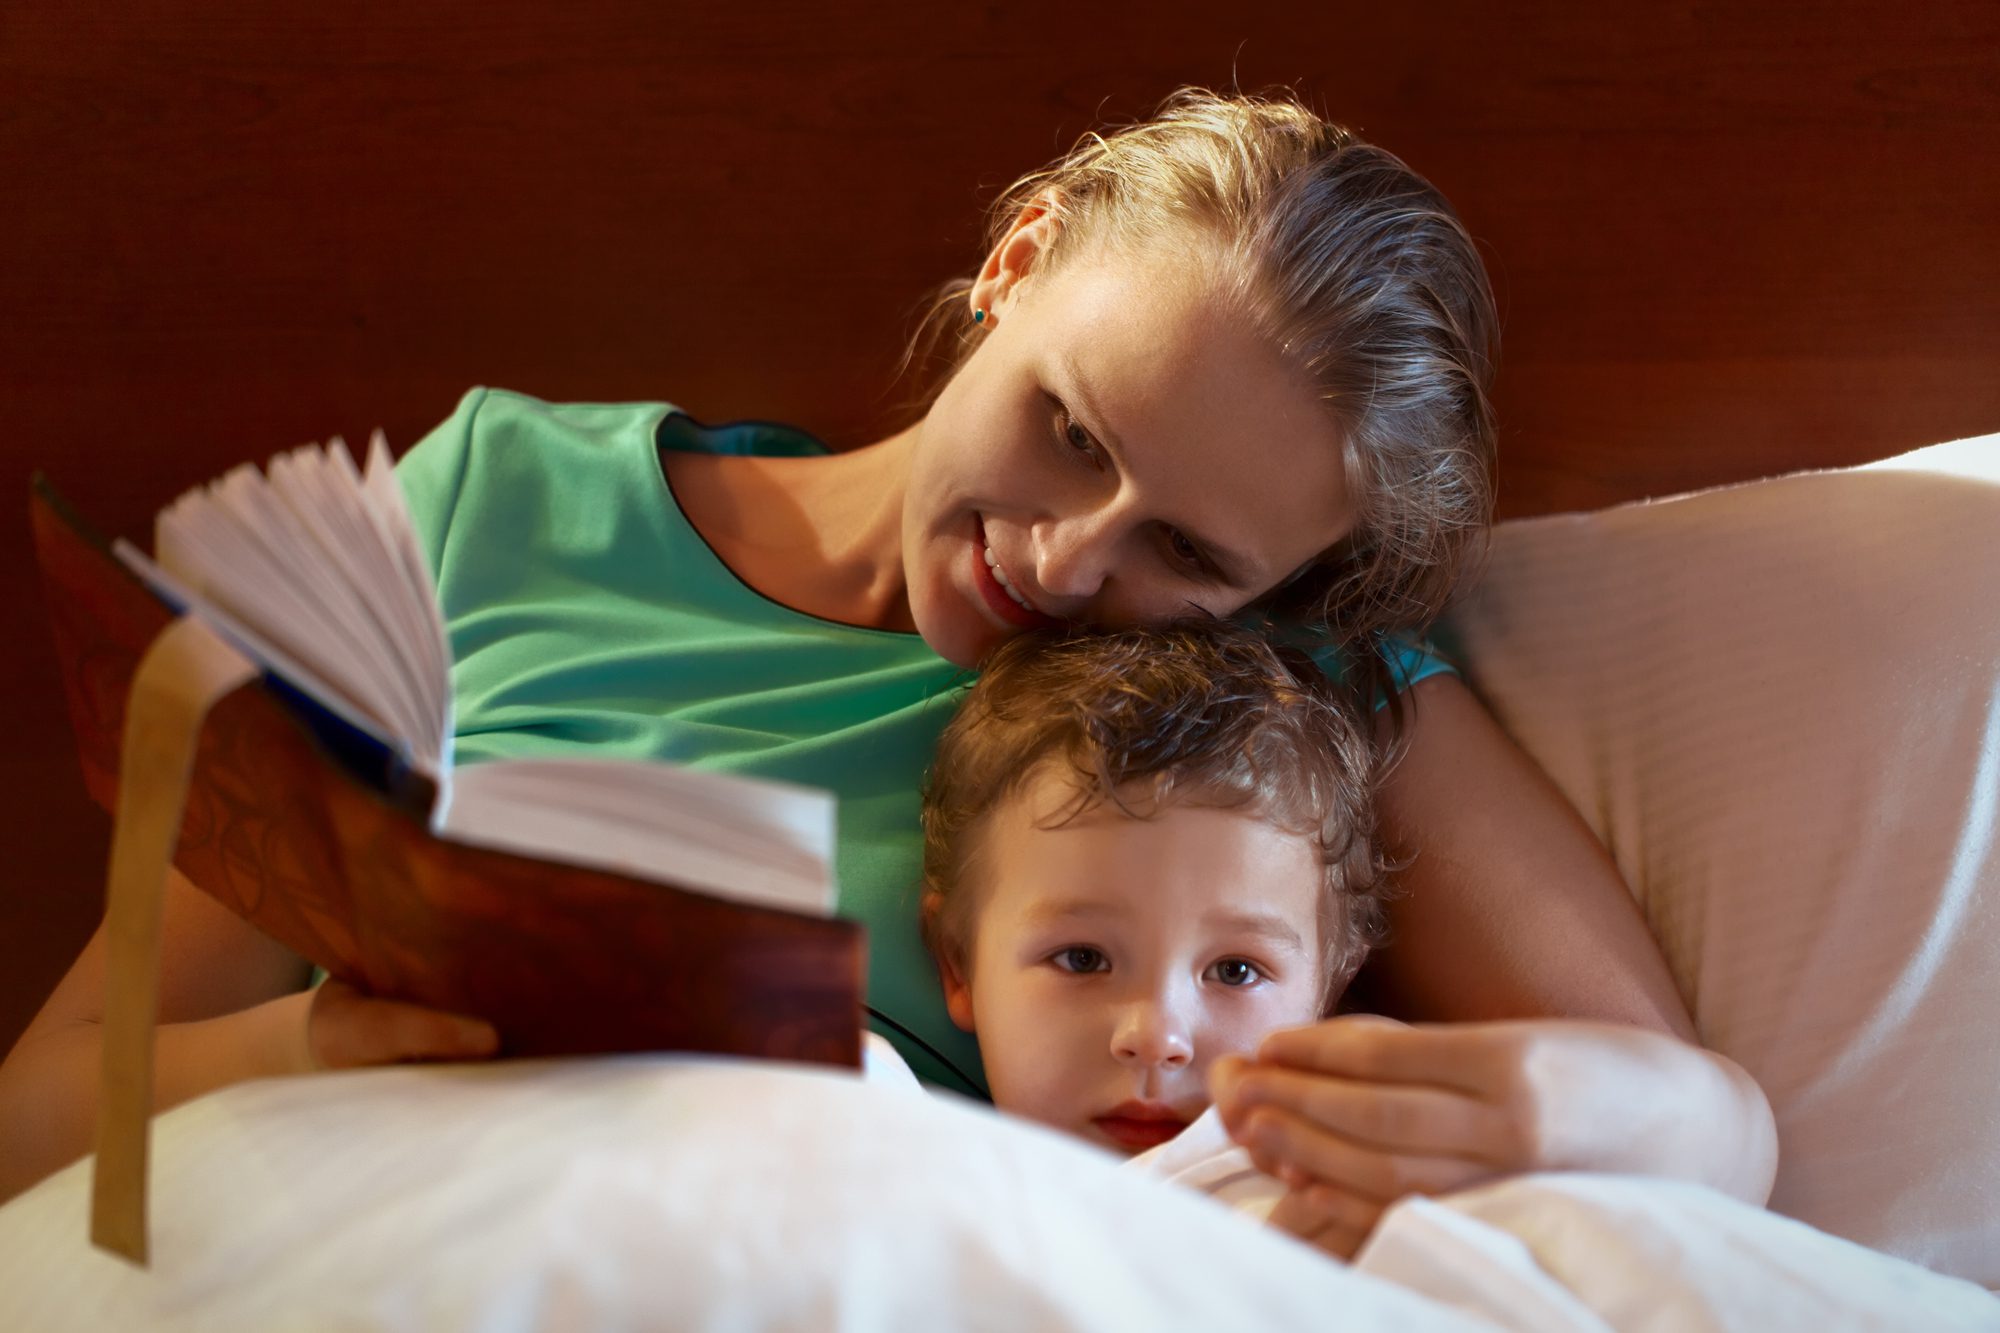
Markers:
point(951, 976)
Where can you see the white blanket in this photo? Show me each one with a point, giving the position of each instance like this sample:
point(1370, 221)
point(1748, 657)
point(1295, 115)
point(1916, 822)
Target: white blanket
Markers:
point(656, 1192)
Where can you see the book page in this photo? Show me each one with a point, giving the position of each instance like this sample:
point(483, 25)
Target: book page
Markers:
point(745, 839)
point(315, 560)
point(259, 649)
point(329, 538)
point(389, 513)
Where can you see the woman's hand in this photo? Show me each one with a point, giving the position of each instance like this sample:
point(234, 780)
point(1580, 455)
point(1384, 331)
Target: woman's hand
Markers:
point(1327, 1217)
point(346, 1028)
point(1354, 1113)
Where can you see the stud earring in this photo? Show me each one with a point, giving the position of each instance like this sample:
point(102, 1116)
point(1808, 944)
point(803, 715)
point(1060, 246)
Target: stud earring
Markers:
point(979, 315)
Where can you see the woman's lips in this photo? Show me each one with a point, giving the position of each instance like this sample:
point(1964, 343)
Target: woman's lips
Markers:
point(997, 598)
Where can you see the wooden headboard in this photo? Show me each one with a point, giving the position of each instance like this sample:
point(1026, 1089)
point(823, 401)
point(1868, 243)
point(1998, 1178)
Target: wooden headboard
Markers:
point(1728, 240)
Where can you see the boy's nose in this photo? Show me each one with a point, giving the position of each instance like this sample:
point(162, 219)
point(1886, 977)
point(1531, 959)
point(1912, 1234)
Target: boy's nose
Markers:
point(1152, 1034)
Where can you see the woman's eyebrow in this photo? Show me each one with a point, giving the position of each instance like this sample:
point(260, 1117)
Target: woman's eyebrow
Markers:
point(1076, 394)
point(1079, 396)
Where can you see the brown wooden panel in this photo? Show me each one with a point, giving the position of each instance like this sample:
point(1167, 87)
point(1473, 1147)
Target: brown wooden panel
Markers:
point(1729, 239)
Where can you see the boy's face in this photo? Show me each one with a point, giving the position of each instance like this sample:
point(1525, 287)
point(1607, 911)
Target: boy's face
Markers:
point(1113, 959)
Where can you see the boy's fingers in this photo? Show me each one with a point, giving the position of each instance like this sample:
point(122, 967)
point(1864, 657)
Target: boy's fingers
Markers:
point(1393, 1117)
point(1286, 1146)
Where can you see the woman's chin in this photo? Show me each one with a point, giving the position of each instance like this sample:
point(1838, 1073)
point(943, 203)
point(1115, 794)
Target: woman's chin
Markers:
point(955, 646)
point(965, 639)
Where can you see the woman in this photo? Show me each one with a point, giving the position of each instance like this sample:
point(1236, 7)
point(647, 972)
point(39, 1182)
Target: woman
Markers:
point(1229, 360)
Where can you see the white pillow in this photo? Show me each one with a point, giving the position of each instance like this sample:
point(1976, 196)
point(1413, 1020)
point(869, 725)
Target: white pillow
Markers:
point(1778, 704)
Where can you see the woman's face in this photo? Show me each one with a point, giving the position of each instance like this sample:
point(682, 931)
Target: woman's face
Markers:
point(1122, 448)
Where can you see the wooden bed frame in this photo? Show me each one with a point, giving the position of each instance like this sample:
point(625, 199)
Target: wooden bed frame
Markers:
point(1728, 241)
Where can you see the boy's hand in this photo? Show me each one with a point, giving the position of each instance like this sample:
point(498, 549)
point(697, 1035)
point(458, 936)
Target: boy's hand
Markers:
point(1356, 1112)
point(346, 1028)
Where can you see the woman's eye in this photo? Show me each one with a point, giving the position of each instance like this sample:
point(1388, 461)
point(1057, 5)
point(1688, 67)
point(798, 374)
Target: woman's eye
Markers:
point(1075, 437)
point(1080, 958)
point(1184, 550)
point(1236, 972)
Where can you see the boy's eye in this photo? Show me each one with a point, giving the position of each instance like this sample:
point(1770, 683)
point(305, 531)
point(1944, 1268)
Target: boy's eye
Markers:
point(1081, 958)
point(1236, 972)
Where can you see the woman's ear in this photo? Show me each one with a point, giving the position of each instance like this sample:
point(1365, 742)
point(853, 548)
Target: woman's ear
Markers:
point(1023, 246)
point(951, 972)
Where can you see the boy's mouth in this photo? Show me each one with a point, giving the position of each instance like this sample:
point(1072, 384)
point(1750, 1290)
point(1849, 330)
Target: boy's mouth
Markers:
point(1137, 1126)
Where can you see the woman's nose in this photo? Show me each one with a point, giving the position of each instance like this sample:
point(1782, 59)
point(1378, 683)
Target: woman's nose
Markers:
point(1153, 1033)
point(1074, 555)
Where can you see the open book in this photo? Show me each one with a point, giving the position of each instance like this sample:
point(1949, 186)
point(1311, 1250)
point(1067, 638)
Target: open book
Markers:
point(315, 573)
point(580, 905)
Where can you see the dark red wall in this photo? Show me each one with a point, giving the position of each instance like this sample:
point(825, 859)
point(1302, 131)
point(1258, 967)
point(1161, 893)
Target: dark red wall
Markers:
point(1728, 239)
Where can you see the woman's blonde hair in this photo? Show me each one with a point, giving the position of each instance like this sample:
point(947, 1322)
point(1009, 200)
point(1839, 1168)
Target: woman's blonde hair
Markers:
point(1360, 272)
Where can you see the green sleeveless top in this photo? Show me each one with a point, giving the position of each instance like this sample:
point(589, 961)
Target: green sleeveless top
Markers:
point(585, 612)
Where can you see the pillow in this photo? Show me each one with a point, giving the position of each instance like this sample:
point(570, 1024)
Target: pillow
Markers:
point(1778, 704)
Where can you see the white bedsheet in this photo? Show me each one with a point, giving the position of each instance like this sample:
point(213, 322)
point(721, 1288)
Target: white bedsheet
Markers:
point(657, 1192)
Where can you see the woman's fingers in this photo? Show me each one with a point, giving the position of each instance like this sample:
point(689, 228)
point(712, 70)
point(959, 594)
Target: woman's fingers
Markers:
point(1392, 1117)
point(346, 1028)
point(1475, 1058)
point(1327, 1217)
point(1295, 1150)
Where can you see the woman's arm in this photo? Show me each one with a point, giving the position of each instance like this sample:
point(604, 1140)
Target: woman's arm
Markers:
point(232, 1006)
point(212, 965)
point(1512, 925)
point(1356, 1112)
point(1509, 907)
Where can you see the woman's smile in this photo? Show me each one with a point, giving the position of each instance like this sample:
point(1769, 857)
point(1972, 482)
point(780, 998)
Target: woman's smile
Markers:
point(998, 591)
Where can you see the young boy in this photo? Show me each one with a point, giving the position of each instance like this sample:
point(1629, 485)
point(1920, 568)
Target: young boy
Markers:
point(1145, 851)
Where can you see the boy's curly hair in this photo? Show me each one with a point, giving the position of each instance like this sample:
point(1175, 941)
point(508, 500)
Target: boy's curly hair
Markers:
point(1203, 712)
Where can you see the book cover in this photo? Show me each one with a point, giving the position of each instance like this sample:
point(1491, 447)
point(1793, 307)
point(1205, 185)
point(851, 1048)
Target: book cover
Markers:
point(311, 830)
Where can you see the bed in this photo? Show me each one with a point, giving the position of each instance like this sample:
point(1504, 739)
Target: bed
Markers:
point(1730, 244)
point(1825, 640)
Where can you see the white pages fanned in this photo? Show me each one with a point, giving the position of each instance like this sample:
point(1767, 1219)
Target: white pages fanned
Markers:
point(314, 570)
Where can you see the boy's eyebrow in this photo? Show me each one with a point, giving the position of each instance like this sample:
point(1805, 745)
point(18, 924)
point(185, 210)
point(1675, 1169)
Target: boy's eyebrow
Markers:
point(1269, 925)
point(1233, 565)
point(1045, 911)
